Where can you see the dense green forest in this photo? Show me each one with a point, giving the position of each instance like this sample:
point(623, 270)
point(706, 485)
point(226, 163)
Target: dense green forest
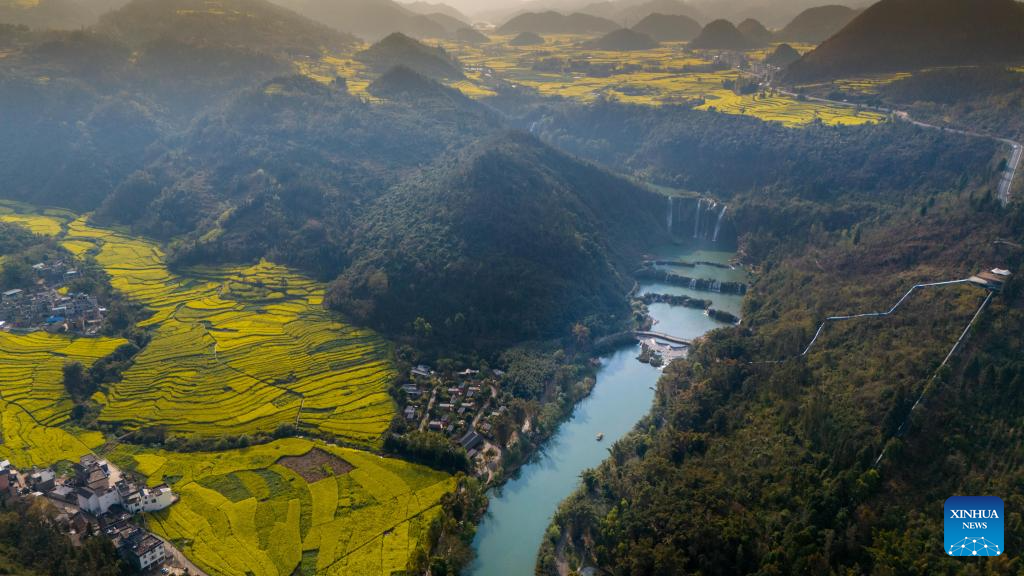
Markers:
point(727, 154)
point(745, 466)
point(510, 241)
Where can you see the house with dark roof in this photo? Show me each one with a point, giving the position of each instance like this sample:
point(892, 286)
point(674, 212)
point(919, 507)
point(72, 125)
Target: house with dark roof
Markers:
point(470, 440)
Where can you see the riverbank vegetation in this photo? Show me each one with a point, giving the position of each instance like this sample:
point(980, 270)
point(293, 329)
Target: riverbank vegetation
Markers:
point(746, 466)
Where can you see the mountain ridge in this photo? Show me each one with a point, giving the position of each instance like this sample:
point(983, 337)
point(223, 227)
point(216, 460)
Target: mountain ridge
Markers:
point(903, 35)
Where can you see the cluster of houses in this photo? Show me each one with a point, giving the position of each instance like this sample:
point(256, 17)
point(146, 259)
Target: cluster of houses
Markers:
point(46, 307)
point(96, 498)
point(98, 491)
point(461, 406)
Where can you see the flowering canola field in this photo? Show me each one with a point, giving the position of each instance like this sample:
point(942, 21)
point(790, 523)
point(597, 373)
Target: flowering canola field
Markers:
point(243, 513)
point(564, 67)
point(33, 405)
point(233, 350)
point(239, 350)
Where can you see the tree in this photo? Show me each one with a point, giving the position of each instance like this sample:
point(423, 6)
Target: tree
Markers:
point(422, 328)
point(75, 382)
point(503, 429)
point(16, 274)
point(582, 335)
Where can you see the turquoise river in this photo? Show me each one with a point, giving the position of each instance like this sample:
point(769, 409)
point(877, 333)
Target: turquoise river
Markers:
point(510, 535)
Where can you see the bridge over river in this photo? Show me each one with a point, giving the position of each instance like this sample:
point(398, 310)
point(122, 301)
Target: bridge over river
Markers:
point(663, 336)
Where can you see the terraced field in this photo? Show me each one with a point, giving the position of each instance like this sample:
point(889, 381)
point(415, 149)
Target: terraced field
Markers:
point(33, 404)
point(47, 222)
point(244, 512)
point(234, 350)
point(239, 350)
point(788, 111)
point(860, 84)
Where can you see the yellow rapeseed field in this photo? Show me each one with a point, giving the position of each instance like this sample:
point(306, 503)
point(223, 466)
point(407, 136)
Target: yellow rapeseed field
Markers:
point(564, 67)
point(34, 407)
point(233, 350)
point(244, 512)
point(239, 350)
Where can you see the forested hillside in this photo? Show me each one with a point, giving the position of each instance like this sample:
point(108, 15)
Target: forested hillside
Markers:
point(728, 155)
point(251, 25)
point(510, 241)
point(237, 193)
point(900, 35)
point(747, 466)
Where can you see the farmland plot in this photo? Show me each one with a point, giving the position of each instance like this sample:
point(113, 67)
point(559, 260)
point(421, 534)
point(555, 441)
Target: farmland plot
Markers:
point(33, 403)
point(563, 67)
point(244, 512)
point(239, 350)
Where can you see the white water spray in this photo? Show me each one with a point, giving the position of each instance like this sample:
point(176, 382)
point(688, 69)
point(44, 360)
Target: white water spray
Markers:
point(671, 212)
point(696, 219)
point(718, 225)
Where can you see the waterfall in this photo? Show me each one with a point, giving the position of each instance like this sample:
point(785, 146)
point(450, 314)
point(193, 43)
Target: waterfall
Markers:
point(696, 219)
point(671, 210)
point(693, 283)
point(718, 225)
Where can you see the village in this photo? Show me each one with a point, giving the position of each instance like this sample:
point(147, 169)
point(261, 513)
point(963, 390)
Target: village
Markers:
point(50, 306)
point(95, 498)
point(463, 407)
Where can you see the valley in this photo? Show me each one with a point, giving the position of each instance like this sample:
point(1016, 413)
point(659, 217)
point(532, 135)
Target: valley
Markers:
point(520, 511)
point(303, 287)
point(564, 67)
point(234, 352)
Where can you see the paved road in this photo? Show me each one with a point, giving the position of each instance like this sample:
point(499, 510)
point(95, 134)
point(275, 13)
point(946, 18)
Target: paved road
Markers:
point(180, 563)
point(1006, 184)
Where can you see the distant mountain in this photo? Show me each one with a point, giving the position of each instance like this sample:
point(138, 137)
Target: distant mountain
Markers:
point(252, 25)
point(631, 12)
point(669, 27)
point(427, 8)
point(721, 35)
point(783, 56)
point(403, 83)
point(555, 23)
point(397, 49)
point(451, 25)
point(503, 12)
point(817, 24)
point(623, 39)
point(511, 239)
point(755, 32)
point(368, 19)
point(47, 14)
point(470, 36)
point(895, 35)
point(772, 13)
point(527, 39)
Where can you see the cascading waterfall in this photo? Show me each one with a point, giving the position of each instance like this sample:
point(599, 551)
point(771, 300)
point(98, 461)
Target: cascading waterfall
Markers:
point(696, 219)
point(671, 212)
point(718, 225)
